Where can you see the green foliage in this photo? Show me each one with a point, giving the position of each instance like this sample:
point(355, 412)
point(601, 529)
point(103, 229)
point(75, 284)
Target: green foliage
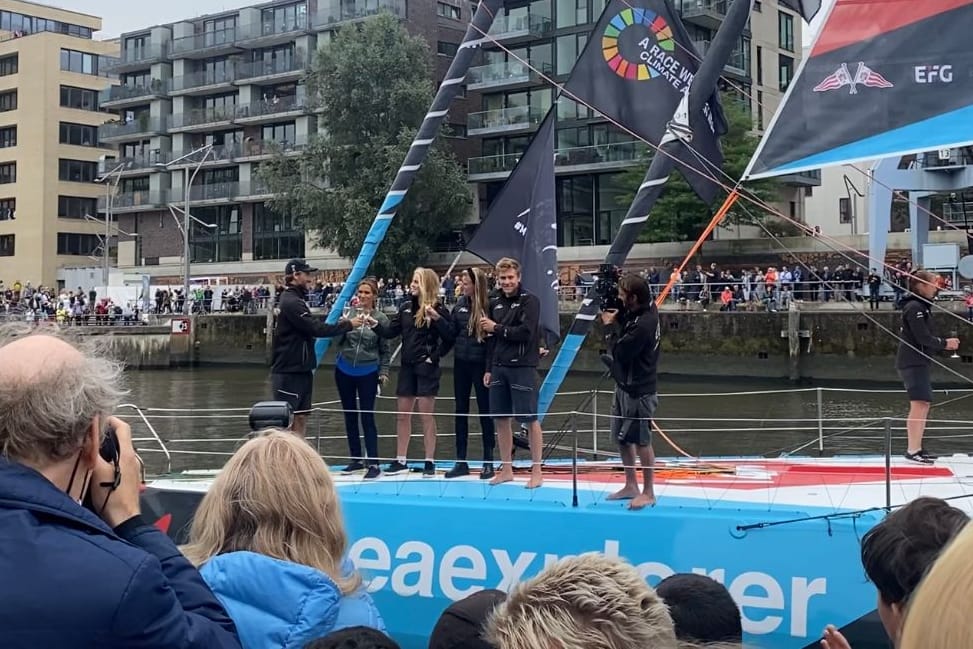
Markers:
point(679, 215)
point(372, 86)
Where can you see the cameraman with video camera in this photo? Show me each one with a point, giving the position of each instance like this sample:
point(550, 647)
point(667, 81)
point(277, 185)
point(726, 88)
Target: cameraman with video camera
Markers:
point(81, 568)
point(632, 322)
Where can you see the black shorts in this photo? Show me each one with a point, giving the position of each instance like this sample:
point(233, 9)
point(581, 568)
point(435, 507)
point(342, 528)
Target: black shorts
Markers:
point(295, 389)
point(513, 393)
point(419, 380)
point(632, 417)
point(917, 382)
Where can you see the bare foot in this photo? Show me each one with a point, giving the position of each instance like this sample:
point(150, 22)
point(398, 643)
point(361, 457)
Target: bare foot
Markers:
point(536, 479)
point(642, 500)
point(505, 475)
point(625, 493)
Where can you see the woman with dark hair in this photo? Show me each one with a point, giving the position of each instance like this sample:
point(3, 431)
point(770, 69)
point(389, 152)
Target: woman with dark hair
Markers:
point(916, 347)
point(469, 366)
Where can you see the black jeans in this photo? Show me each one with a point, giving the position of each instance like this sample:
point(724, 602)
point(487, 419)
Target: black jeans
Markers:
point(467, 375)
point(359, 393)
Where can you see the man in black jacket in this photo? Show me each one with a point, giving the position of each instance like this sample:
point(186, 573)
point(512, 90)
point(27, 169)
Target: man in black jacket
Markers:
point(513, 353)
point(294, 358)
point(635, 336)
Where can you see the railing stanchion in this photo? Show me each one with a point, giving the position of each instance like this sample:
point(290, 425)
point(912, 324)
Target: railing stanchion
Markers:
point(888, 464)
point(820, 424)
point(574, 461)
point(594, 423)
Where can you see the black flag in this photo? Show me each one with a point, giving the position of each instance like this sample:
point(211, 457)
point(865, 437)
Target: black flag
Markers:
point(636, 69)
point(807, 8)
point(522, 223)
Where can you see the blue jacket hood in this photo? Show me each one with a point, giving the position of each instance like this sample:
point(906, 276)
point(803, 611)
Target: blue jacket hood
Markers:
point(283, 605)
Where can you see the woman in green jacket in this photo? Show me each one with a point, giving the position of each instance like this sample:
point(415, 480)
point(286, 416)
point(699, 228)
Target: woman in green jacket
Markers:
point(362, 363)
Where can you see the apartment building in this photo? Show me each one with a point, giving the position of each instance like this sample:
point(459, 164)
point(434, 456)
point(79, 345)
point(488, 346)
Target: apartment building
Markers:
point(591, 153)
point(50, 73)
point(233, 80)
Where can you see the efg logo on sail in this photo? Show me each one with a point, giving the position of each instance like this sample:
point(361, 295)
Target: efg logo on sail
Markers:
point(638, 44)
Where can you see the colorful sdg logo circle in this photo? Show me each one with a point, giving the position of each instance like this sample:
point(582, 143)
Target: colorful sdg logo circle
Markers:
point(622, 65)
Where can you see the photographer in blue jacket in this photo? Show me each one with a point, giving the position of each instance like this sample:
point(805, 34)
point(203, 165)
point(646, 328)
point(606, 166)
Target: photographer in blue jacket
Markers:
point(94, 576)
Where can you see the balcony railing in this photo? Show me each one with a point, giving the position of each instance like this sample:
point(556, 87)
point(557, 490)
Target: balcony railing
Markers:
point(135, 56)
point(959, 157)
point(503, 119)
point(137, 126)
point(615, 154)
point(148, 160)
point(156, 88)
point(271, 107)
point(207, 192)
point(127, 200)
point(695, 8)
point(199, 116)
point(267, 28)
point(334, 12)
point(253, 188)
point(204, 78)
point(217, 39)
point(501, 74)
point(507, 27)
point(255, 69)
point(219, 153)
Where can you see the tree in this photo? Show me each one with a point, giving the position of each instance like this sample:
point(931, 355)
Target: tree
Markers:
point(371, 87)
point(679, 215)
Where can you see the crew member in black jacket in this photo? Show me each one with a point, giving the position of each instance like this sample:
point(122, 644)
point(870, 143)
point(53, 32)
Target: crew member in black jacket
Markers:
point(634, 334)
point(294, 358)
point(513, 353)
point(916, 347)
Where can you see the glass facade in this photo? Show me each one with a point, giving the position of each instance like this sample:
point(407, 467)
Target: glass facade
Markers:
point(221, 243)
point(276, 236)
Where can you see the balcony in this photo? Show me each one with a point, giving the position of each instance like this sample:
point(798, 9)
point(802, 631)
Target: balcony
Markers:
point(254, 149)
point(206, 44)
point(809, 178)
point(207, 193)
point(504, 74)
point(510, 27)
point(253, 190)
point(275, 70)
point(220, 154)
point(947, 159)
point(123, 96)
point(142, 163)
point(203, 118)
point(135, 201)
point(331, 13)
point(600, 157)
point(140, 57)
point(269, 33)
point(705, 13)
point(270, 109)
point(504, 120)
point(203, 81)
point(141, 126)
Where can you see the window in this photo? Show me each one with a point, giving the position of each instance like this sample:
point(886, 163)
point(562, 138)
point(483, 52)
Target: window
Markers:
point(8, 101)
point(276, 236)
point(568, 49)
point(11, 21)
point(447, 10)
point(844, 210)
point(446, 49)
point(760, 109)
point(277, 20)
point(785, 31)
point(8, 209)
point(8, 65)
point(79, 98)
point(457, 130)
point(80, 62)
point(572, 12)
point(220, 244)
point(78, 134)
point(7, 245)
point(785, 69)
point(77, 171)
point(8, 173)
point(280, 133)
point(757, 6)
point(74, 243)
point(760, 66)
point(76, 207)
point(8, 137)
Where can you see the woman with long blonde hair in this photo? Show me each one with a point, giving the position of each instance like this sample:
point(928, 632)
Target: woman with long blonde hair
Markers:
point(269, 539)
point(424, 324)
point(469, 367)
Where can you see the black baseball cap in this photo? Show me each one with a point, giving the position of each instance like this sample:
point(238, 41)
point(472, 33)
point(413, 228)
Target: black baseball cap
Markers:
point(461, 625)
point(298, 266)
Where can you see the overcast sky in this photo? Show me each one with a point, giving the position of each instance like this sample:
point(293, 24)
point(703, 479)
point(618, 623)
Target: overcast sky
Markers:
point(122, 17)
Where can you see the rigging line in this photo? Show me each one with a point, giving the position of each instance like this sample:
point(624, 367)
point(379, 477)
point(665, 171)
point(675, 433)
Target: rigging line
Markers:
point(658, 149)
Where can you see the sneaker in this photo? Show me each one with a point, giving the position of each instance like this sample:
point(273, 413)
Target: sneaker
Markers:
point(396, 467)
point(487, 472)
point(429, 470)
point(921, 456)
point(459, 470)
point(372, 473)
point(354, 467)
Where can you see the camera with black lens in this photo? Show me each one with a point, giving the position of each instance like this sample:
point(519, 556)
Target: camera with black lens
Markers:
point(271, 414)
point(606, 287)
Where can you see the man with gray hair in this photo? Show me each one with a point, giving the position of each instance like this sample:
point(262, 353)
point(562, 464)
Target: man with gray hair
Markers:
point(586, 602)
point(93, 576)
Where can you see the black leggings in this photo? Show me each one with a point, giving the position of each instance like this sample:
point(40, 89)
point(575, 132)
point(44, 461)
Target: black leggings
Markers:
point(359, 393)
point(467, 375)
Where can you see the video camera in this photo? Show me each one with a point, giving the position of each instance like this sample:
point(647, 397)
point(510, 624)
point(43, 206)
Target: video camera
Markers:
point(271, 414)
point(606, 287)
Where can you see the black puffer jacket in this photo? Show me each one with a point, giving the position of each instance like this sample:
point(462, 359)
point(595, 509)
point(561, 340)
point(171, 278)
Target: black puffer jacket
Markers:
point(418, 343)
point(468, 348)
point(918, 343)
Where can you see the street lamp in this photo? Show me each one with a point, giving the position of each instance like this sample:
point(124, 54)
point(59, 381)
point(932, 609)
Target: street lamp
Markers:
point(110, 188)
point(187, 183)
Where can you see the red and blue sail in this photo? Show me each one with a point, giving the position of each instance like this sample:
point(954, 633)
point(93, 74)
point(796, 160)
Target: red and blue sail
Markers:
point(885, 78)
